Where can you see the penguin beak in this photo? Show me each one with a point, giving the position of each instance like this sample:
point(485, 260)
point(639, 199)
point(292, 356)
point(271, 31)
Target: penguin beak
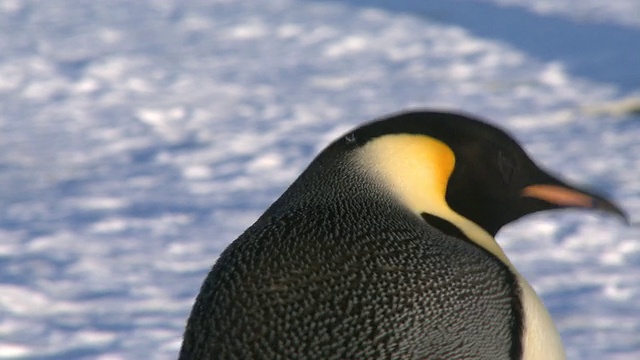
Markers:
point(564, 196)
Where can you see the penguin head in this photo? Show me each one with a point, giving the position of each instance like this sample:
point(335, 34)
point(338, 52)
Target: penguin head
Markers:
point(462, 175)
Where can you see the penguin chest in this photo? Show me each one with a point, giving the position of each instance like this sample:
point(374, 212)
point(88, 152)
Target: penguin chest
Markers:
point(540, 338)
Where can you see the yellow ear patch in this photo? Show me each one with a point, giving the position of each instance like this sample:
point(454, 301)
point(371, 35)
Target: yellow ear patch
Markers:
point(416, 169)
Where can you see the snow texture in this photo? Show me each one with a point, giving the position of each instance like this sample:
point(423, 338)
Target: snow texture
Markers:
point(139, 138)
point(624, 12)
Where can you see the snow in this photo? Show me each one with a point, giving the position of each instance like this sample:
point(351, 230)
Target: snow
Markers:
point(623, 12)
point(140, 138)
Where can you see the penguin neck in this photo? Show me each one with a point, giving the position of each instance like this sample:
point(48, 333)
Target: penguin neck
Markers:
point(470, 231)
point(415, 171)
point(329, 180)
point(481, 239)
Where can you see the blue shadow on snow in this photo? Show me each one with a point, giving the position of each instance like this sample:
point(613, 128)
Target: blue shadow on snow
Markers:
point(599, 52)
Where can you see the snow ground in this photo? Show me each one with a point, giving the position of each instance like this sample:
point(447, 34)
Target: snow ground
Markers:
point(623, 12)
point(139, 138)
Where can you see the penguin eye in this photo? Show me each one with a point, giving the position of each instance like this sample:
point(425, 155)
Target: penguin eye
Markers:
point(506, 166)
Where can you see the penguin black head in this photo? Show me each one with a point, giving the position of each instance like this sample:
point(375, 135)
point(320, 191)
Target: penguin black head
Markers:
point(461, 174)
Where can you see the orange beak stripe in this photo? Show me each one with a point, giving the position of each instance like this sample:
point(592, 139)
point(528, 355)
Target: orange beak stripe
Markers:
point(558, 195)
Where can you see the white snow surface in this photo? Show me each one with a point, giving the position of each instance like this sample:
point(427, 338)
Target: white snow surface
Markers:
point(623, 12)
point(139, 138)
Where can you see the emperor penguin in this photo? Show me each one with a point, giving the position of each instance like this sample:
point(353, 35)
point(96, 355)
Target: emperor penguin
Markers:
point(384, 248)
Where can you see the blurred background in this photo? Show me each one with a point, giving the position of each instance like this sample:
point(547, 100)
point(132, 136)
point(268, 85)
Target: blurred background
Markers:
point(138, 139)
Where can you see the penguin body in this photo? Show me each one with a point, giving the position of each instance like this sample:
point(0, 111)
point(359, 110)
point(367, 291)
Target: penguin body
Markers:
point(383, 249)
